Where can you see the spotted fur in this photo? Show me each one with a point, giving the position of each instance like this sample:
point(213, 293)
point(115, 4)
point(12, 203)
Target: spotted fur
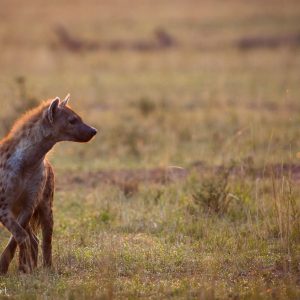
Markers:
point(27, 178)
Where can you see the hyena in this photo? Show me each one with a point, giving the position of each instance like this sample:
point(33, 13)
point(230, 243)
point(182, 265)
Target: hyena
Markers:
point(27, 178)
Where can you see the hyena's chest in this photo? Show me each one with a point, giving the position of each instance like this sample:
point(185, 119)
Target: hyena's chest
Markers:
point(21, 188)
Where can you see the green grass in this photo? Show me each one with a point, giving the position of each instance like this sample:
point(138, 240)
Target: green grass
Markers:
point(203, 101)
point(161, 243)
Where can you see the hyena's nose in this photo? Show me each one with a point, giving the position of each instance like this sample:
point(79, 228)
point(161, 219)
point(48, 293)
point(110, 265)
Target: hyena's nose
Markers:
point(94, 131)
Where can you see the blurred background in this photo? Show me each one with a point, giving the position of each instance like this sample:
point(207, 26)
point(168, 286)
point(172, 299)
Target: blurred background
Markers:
point(165, 82)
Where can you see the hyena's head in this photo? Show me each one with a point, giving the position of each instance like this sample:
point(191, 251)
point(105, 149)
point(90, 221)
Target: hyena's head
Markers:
point(65, 125)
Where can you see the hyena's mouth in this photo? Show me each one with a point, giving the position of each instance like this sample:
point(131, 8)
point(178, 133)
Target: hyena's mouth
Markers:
point(86, 135)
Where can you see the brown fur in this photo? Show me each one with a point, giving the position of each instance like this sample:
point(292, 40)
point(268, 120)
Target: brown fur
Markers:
point(27, 178)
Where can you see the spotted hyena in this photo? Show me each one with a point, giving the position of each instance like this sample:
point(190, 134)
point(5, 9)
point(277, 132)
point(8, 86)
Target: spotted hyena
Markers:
point(27, 178)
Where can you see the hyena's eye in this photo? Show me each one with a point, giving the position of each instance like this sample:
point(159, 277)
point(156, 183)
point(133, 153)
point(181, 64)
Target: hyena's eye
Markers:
point(73, 121)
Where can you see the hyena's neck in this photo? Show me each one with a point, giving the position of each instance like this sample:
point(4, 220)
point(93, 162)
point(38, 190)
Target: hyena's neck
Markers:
point(26, 149)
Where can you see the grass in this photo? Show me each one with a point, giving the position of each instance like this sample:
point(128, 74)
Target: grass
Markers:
point(211, 235)
point(161, 246)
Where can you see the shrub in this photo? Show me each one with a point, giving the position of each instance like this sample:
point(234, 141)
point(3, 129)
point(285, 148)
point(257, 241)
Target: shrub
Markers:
point(212, 194)
point(145, 106)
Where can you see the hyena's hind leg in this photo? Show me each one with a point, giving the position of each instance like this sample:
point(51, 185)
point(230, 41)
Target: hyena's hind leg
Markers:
point(47, 231)
point(46, 218)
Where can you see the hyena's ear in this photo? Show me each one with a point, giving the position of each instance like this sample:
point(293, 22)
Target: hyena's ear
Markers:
point(65, 101)
point(52, 109)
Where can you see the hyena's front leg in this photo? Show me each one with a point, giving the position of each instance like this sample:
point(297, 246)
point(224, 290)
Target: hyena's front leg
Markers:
point(28, 251)
point(8, 255)
point(34, 241)
point(10, 250)
point(18, 228)
point(29, 257)
point(20, 236)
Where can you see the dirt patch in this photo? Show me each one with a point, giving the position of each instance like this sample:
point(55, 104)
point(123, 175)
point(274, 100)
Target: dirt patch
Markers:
point(253, 42)
point(129, 180)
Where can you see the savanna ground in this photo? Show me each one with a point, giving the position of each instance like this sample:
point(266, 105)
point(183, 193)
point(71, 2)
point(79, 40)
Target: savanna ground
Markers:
point(191, 188)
